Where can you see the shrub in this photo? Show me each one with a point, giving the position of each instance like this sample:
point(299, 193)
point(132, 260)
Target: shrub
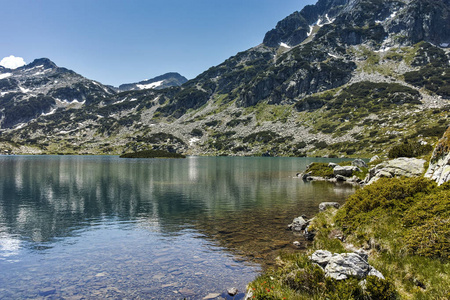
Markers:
point(409, 149)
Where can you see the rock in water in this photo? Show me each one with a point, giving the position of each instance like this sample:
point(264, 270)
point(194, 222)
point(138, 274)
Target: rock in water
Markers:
point(232, 291)
point(299, 224)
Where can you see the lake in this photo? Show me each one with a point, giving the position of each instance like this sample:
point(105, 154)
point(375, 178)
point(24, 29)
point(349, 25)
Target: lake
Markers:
point(96, 227)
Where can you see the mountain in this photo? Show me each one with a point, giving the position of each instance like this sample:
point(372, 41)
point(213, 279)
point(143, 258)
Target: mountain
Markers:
point(40, 89)
point(340, 78)
point(157, 83)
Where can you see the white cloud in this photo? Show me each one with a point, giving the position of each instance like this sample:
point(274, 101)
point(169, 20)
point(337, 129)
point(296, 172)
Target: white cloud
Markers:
point(12, 62)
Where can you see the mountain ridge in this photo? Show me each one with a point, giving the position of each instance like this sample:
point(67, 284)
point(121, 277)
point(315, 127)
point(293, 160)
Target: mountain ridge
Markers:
point(355, 85)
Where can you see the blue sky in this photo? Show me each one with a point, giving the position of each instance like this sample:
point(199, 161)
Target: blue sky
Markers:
point(122, 41)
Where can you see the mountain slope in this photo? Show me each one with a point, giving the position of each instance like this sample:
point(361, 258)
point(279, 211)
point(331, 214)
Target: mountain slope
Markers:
point(337, 78)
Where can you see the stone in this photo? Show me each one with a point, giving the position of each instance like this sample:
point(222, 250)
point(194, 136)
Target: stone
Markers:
point(341, 266)
point(325, 205)
point(299, 224)
point(232, 291)
point(47, 292)
point(341, 178)
point(186, 292)
point(211, 296)
point(346, 171)
point(399, 167)
point(359, 163)
point(297, 244)
point(374, 158)
point(333, 165)
point(321, 257)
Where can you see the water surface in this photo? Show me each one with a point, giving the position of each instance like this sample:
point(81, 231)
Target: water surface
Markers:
point(99, 227)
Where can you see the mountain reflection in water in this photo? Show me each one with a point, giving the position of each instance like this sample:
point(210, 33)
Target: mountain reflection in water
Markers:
point(80, 215)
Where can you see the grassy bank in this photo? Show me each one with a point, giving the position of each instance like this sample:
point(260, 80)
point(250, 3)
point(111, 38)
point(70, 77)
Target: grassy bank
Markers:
point(404, 224)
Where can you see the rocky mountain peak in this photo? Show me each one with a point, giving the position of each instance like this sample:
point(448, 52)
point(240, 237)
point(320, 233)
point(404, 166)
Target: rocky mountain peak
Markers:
point(405, 21)
point(41, 62)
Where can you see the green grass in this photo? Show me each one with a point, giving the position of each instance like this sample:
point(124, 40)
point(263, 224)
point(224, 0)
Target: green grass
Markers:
point(404, 223)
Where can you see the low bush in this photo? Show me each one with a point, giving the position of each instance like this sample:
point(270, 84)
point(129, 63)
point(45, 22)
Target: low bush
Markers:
point(409, 149)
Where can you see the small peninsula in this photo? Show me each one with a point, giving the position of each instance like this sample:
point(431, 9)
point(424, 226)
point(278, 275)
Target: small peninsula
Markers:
point(152, 154)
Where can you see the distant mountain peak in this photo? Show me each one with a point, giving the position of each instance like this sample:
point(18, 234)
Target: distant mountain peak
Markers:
point(159, 82)
point(44, 62)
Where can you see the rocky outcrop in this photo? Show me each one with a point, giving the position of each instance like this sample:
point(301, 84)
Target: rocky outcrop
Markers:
point(399, 167)
point(342, 266)
point(439, 168)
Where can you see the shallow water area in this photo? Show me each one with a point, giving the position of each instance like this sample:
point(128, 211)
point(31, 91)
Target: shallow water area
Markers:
point(99, 227)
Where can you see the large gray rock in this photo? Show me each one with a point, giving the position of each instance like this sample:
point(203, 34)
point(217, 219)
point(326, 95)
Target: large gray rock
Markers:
point(341, 266)
point(321, 257)
point(346, 171)
point(359, 163)
point(399, 167)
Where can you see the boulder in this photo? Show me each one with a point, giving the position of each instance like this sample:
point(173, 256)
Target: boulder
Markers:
point(341, 178)
point(321, 257)
point(346, 171)
point(299, 224)
point(399, 167)
point(324, 205)
point(232, 291)
point(341, 266)
point(374, 158)
point(359, 163)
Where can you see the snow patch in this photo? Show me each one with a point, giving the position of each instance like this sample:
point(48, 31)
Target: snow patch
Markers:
point(383, 49)
point(332, 55)
point(150, 85)
point(133, 99)
point(443, 45)
point(50, 112)
point(5, 75)
point(329, 21)
point(20, 126)
point(285, 45)
point(23, 90)
point(311, 28)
